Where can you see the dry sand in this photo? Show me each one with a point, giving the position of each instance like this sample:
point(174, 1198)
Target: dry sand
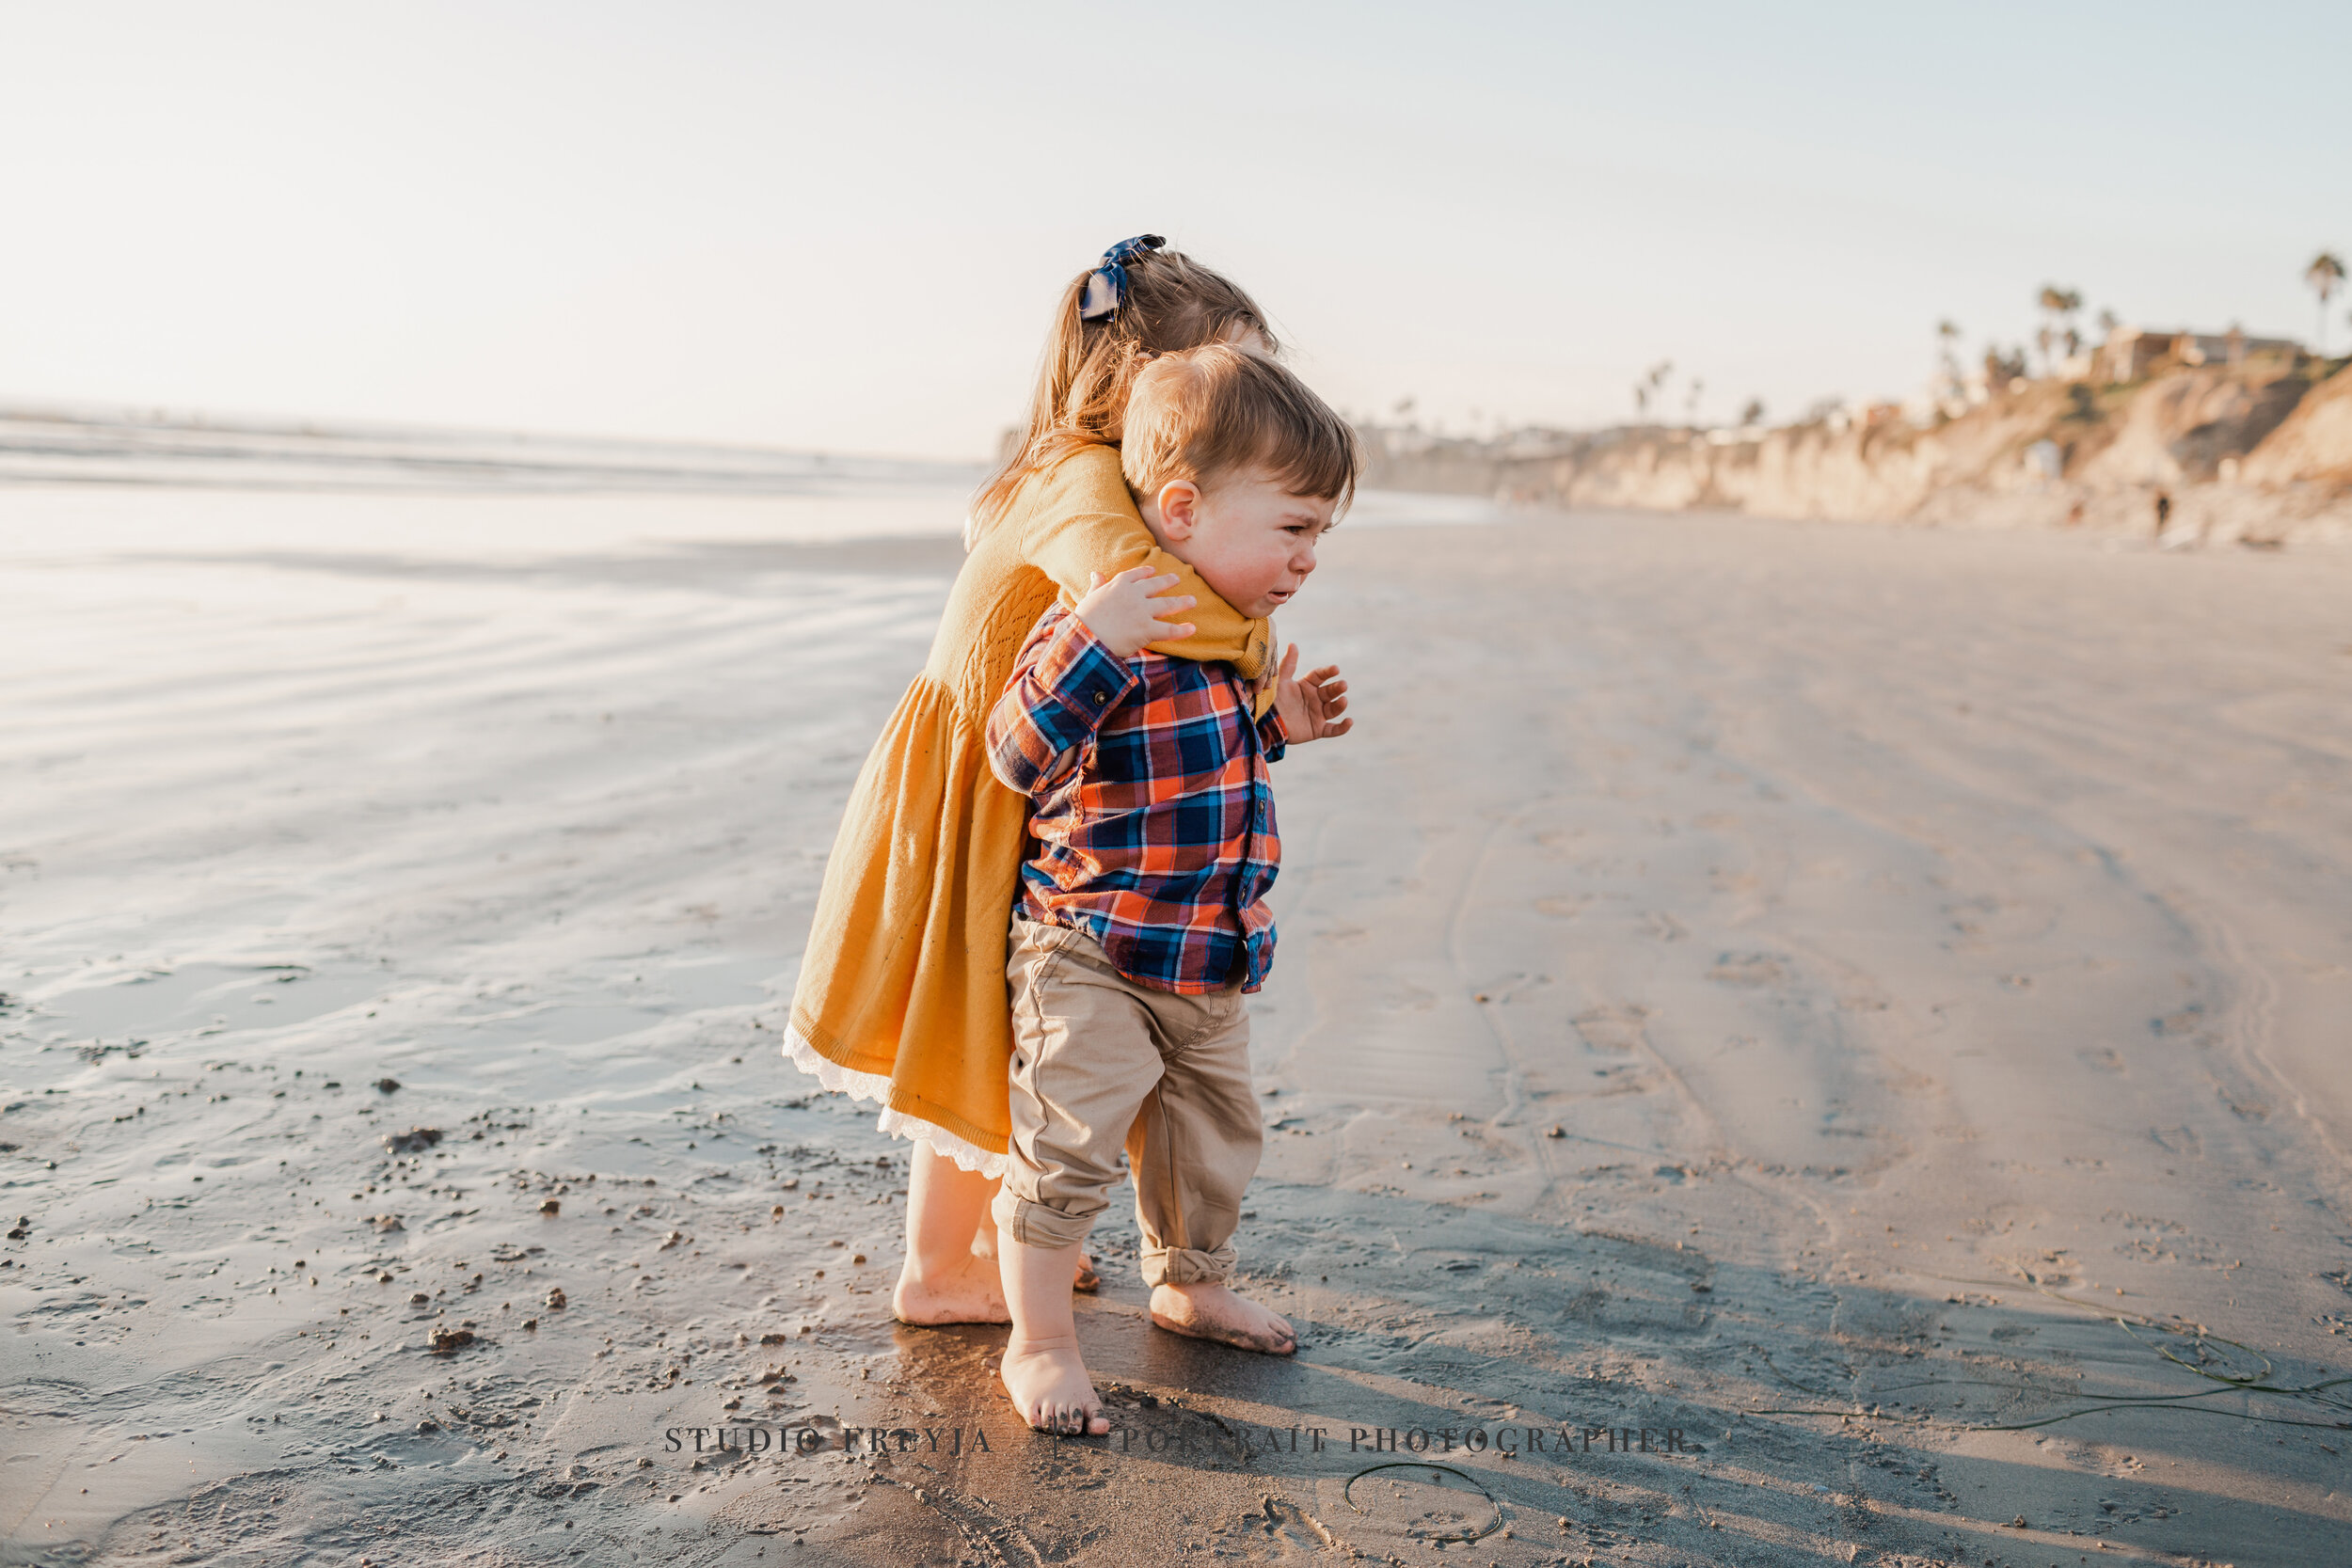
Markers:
point(1870, 1004)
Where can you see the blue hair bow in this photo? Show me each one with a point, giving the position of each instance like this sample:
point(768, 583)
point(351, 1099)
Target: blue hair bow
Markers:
point(1107, 285)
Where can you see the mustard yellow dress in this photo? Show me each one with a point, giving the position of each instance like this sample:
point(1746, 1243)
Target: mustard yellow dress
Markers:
point(901, 997)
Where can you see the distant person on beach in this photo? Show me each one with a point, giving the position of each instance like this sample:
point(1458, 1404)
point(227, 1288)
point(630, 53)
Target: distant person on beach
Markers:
point(1142, 921)
point(2164, 512)
point(902, 993)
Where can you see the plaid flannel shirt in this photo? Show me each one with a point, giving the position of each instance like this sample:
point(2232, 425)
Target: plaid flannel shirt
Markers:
point(1154, 811)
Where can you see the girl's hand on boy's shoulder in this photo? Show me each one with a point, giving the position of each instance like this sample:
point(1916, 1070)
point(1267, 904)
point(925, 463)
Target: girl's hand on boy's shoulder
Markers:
point(1123, 613)
point(1310, 705)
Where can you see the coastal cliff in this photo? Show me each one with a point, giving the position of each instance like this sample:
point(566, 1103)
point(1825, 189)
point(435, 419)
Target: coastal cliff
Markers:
point(2260, 452)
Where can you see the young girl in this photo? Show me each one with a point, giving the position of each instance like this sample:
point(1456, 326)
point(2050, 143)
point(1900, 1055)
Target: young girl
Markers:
point(901, 997)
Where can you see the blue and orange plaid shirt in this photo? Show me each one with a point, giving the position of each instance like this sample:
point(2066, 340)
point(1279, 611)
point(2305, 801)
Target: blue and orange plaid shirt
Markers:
point(1154, 811)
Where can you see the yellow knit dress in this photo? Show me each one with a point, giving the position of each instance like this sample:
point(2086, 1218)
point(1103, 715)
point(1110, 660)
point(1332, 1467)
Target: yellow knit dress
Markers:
point(901, 997)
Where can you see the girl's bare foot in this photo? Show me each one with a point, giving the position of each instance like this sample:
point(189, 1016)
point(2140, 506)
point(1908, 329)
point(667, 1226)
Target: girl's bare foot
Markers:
point(941, 1282)
point(1050, 1387)
point(967, 1291)
point(1220, 1313)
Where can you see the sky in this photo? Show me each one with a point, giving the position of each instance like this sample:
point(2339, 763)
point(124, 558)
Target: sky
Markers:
point(843, 226)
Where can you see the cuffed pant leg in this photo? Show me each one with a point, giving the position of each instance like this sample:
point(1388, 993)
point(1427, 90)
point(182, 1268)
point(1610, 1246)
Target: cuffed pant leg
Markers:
point(1083, 1058)
point(1193, 1149)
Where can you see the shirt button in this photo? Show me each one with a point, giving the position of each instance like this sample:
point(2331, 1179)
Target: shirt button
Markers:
point(1100, 698)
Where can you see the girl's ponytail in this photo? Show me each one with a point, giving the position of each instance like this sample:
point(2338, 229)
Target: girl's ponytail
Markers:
point(1140, 301)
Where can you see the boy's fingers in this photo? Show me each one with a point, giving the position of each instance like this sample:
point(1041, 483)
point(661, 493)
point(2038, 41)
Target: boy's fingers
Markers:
point(1290, 662)
point(1094, 580)
point(1341, 728)
point(1171, 631)
point(1317, 677)
point(1173, 603)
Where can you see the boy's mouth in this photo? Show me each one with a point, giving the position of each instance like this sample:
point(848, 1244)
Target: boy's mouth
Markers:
point(1280, 595)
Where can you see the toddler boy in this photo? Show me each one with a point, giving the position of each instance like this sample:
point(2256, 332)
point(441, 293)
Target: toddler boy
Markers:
point(1142, 919)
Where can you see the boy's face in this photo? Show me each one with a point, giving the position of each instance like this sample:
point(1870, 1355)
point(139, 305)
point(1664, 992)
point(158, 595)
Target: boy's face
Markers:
point(1248, 538)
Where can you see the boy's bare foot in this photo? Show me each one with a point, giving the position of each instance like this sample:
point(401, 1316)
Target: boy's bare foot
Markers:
point(1050, 1387)
point(1087, 1279)
point(966, 1292)
point(1220, 1313)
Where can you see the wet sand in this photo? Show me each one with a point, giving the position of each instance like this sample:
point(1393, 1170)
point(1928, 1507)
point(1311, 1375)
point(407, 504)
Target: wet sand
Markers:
point(1862, 1009)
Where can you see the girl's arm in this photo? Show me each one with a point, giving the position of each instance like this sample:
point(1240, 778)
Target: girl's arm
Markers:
point(1071, 547)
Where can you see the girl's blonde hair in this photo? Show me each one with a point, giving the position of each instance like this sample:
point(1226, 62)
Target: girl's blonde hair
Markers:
point(1170, 302)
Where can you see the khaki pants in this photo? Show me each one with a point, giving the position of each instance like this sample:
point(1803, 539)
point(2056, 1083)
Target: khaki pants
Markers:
point(1100, 1062)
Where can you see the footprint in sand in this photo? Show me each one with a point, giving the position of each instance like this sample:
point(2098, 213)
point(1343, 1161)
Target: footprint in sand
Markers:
point(1665, 927)
point(1749, 969)
point(1404, 997)
point(2000, 919)
point(1611, 1028)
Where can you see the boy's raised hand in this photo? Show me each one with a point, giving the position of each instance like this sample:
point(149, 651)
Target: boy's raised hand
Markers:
point(1123, 613)
point(1310, 705)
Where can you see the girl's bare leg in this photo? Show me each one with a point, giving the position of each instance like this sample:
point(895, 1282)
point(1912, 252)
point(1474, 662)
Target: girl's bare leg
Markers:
point(943, 1281)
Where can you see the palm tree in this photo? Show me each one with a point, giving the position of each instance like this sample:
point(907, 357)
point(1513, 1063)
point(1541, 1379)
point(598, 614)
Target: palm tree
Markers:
point(2324, 272)
point(2058, 309)
point(1947, 338)
point(1653, 384)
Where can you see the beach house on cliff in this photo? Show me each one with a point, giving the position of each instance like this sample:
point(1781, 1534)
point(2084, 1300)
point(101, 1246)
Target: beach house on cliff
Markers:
point(2129, 351)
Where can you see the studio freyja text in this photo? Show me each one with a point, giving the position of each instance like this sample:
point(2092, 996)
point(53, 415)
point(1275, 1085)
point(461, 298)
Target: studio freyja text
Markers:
point(752, 1440)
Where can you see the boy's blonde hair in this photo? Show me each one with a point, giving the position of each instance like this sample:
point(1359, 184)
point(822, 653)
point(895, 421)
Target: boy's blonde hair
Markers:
point(1170, 302)
point(1218, 410)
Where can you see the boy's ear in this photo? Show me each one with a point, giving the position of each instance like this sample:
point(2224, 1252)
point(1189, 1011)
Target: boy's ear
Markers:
point(1180, 503)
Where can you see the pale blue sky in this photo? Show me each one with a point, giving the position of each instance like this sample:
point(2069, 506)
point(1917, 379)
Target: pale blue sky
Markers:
point(841, 226)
